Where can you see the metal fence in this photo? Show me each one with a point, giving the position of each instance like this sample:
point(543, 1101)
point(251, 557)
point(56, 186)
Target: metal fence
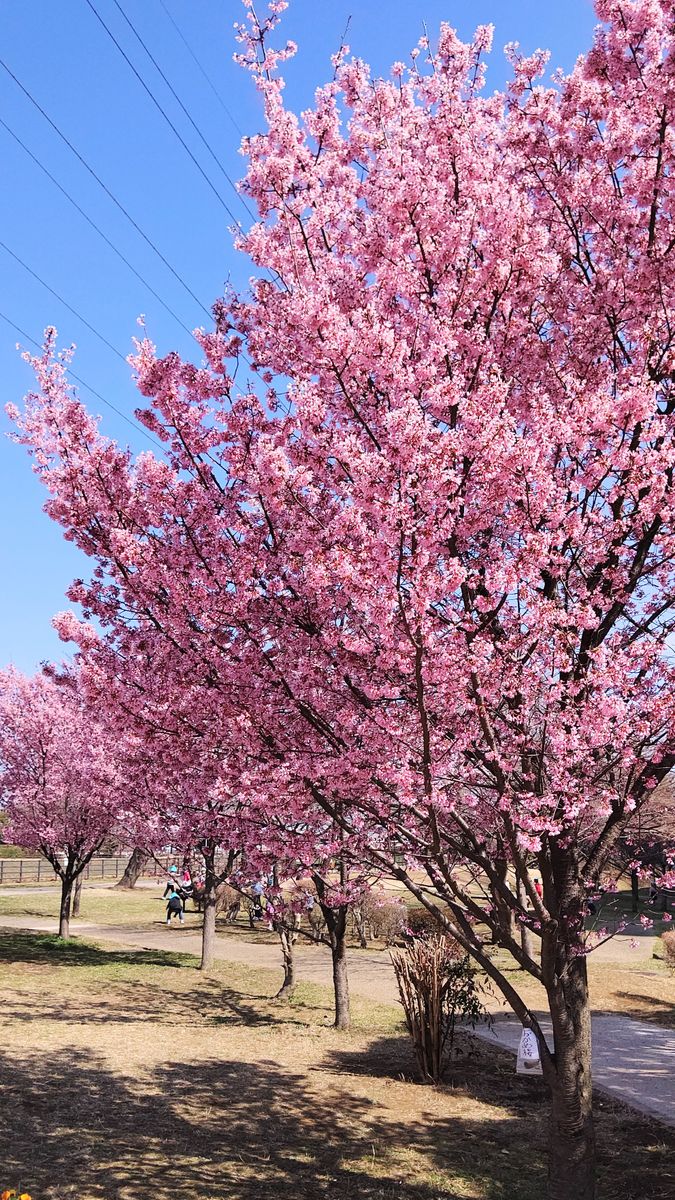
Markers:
point(38, 870)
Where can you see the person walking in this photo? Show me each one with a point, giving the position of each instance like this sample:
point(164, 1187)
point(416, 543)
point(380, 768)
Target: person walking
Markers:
point(174, 908)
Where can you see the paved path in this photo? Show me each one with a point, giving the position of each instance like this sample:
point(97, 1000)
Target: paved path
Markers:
point(632, 1061)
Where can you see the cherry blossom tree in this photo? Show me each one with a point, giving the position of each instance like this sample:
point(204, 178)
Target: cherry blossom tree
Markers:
point(428, 570)
point(179, 755)
point(58, 775)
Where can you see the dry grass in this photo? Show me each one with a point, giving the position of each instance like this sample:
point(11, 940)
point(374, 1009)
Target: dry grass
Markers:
point(644, 990)
point(129, 1075)
point(641, 988)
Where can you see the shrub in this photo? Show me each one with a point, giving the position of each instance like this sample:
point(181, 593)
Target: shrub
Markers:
point(377, 915)
point(438, 987)
point(419, 922)
point(668, 943)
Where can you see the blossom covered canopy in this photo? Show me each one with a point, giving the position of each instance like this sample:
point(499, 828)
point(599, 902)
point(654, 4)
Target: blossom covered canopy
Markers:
point(425, 581)
point(57, 771)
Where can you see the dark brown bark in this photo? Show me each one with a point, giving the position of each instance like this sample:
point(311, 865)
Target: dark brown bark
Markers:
point(209, 923)
point(567, 1071)
point(133, 870)
point(572, 1138)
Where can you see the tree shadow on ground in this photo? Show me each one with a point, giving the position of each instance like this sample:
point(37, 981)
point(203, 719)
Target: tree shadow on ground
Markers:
point(632, 1150)
point(485, 1072)
point(257, 1131)
point(142, 1003)
point(232, 1131)
point(649, 1008)
point(24, 946)
point(229, 1125)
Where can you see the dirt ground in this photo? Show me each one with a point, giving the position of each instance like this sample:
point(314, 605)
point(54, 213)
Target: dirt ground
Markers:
point(126, 1074)
point(625, 977)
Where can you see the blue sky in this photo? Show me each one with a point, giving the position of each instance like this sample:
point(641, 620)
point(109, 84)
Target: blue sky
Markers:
point(67, 61)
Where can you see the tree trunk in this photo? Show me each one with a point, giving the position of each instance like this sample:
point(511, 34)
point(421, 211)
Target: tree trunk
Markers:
point(526, 935)
point(77, 893)
point(209, 924)
point(360, 925)
point(340, 976)
point(64, 911)
point(287, 936)
point(133, 870)
point(336, 921)
point(572, 1138)
point(635, 891)
point(504, 912)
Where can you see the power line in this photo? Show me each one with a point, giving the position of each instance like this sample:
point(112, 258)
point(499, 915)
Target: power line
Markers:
point(94, 226)
point(106, 189)
point(167, 118)
point(90, 327)
point(129, 420)
point(200, 68)
point(118, 205)
point(178, 100)
point(101, 337)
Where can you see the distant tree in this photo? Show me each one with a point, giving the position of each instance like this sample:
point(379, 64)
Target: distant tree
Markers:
point(58, 775)
point(134, 869)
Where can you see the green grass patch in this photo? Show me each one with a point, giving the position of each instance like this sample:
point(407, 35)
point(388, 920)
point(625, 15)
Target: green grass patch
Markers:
point(616, 908)
point(18, 947)
point(99, 905)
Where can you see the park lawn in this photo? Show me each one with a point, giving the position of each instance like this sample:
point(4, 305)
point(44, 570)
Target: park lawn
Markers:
point(100, 905)
point(644, 990)
point(141, 907)
point(129, 1076)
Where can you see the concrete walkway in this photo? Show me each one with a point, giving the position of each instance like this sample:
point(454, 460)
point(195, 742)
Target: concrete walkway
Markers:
point(633, 1061)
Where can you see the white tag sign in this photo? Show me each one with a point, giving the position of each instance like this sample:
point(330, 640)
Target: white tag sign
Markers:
point(528, 1062)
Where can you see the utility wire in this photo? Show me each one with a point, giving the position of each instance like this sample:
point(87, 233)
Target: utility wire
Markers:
point(178, 100)
point(163, 112)
point(200, 68)
point(94, 226)
point(129, 420)
point(101, 337)
point(106, 189)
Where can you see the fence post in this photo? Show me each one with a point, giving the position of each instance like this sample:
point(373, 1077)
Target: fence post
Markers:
point(2, 870)
point(20, 870)
point(39, 866)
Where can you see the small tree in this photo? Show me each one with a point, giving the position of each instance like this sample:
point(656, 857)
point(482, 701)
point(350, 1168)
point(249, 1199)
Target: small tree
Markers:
point(57, 775)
